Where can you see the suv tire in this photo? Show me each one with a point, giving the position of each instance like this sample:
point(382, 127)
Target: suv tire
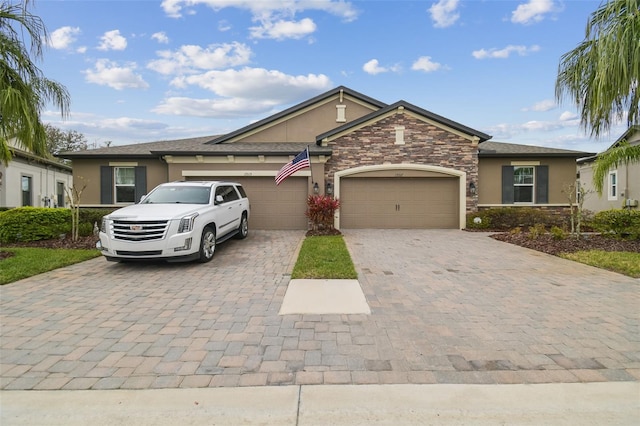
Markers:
point(207, 244)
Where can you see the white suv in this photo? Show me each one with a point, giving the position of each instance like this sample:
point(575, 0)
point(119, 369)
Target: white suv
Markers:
point(178, 221)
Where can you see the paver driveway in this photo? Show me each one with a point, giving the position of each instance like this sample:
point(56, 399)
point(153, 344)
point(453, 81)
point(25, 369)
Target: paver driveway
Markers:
point(447, 307)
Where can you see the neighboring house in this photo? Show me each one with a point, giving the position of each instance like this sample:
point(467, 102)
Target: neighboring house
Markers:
point(30, 180)
point(391, 166)
point(620, 184)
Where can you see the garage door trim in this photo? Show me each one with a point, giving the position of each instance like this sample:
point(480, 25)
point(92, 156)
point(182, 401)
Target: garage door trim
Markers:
point(461, 175)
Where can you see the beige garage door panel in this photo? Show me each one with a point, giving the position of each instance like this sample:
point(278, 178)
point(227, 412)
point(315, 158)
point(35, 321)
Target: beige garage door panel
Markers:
point(274, 207)
point(399, 203)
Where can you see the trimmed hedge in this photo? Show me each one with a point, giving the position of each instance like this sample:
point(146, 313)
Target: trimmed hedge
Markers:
point(621, 223)
point(507, 218)
point(24, 224)
point(33, 224)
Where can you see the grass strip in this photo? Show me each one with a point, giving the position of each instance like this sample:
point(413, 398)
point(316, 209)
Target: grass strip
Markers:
point(623, 262)
point(28, 261)
point(324, 257)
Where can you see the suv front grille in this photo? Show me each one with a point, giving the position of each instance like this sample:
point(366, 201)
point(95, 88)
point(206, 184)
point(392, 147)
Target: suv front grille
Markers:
point(143, 230)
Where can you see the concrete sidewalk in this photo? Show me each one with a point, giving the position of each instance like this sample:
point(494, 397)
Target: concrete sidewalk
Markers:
point(558, 404)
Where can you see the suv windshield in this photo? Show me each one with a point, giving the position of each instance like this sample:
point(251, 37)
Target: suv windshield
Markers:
point(178, 195)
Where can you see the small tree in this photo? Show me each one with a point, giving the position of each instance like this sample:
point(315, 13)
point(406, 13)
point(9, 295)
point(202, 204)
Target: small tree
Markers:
point(576, 194)
point(73, 197)
point(320, 211)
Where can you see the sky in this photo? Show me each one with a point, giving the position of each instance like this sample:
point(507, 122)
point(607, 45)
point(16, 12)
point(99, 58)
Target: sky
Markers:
point(142, 71)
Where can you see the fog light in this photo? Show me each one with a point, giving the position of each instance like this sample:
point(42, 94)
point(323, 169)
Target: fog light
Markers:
point(186, 246)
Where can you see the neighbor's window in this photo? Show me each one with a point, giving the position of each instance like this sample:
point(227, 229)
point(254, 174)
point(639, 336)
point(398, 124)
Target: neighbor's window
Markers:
point(523, 184)
point(125, 184)
point(60, 193)
point(613, 185)
point(27, 191)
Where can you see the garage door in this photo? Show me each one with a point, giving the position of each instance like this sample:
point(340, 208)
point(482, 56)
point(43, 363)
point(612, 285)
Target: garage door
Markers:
point(273, 207)
point(399, 203)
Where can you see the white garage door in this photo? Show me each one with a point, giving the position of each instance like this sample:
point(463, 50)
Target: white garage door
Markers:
point(399, 203)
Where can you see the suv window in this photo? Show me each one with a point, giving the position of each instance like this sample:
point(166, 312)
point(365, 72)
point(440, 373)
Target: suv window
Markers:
point(241, 191)
point(228, 193)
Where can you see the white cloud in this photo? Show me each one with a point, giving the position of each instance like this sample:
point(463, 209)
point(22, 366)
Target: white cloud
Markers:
point(532, 11)
point(189, 58)
point(281, 30)
point(160, 37)
point(504, 53)
point(264, 9)
point(568, 116)
point(373, 67)
point(244, 92)
point(444, 13)
point(542, 106)
point(108, 73)
point(112, 40)
point(425, 64)
point(224, 25)
point(81, 49)
point(63, 37)
point(257, 83)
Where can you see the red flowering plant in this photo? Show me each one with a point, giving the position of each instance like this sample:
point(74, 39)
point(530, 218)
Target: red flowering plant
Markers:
point(320, 211)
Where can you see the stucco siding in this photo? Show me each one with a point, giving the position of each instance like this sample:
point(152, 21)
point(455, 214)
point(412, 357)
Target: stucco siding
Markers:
point(562, 173)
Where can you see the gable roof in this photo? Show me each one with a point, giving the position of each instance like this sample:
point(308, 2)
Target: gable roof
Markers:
point(299, 107)
point(501, 149)
point(626, 135)
point(403, 105)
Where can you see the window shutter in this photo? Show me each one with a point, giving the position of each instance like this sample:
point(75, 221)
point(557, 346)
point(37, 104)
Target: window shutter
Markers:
point(507, 184)
point(106, 185)
point(141, 182)
point(542, 185)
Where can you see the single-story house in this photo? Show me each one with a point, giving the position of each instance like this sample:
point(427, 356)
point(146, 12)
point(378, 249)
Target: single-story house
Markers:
point(391, 165)
point(621, 185)
point(31, 180)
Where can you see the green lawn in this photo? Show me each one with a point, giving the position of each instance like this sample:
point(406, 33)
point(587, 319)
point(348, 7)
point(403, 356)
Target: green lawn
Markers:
point(28, 262)
point(623, 262)
point(324, 257)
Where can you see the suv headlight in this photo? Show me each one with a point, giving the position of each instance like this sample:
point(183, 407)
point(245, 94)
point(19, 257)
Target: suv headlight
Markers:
point(103, 225)
point(186, 223)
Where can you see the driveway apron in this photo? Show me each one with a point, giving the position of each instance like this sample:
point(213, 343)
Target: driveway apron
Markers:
point(447, 307)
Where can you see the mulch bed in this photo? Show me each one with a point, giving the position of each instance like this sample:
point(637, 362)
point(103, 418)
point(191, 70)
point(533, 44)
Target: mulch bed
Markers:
point(547, 244)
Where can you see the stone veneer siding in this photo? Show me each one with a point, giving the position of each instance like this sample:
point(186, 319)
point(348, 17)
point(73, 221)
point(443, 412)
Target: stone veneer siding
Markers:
point(425, 144)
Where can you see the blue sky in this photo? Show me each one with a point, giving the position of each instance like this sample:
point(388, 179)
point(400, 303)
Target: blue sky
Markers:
point(141, 71)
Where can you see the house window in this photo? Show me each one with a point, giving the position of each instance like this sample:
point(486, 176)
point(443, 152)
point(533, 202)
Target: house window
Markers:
point(125, 184)
point(523, 184)
point(27, 191)
point(60, 194)
point(613, 185)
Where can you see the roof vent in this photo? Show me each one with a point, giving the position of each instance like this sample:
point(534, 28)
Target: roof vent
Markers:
point(342, 113)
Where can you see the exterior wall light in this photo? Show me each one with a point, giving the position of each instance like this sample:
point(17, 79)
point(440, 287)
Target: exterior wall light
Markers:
point(472, 188)
point(316, 188)
point(329, 188)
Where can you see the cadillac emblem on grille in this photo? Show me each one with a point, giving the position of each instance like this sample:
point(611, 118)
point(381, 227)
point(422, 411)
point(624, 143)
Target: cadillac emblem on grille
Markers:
point(135, 227)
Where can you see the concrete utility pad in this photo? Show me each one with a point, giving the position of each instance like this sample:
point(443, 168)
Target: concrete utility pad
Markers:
point(324, 297)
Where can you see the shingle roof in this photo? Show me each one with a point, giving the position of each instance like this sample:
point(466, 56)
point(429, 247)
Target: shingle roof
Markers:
point(501, 149)
point(197, 146)
point(410, 107)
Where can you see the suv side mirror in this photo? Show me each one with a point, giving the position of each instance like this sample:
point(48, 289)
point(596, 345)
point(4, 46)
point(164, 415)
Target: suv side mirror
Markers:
point(219, 199)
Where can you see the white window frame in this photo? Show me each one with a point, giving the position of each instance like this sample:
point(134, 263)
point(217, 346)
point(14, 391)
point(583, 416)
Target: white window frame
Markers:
point(116, 185)
point(532, 184)
point(612, 185)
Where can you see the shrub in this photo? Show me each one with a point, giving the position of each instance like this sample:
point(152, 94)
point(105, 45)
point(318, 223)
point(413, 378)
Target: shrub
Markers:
point(536, 231)
point(320, 211)
point(89, 217)
point(558, 233)
point(33, 224)
point(506, 218)
point(621, 223)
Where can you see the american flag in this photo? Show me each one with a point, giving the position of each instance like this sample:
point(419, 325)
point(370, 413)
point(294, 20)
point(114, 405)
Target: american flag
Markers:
point(300, 162)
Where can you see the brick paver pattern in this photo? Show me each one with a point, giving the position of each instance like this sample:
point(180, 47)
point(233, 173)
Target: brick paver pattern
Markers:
point(447, 307)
